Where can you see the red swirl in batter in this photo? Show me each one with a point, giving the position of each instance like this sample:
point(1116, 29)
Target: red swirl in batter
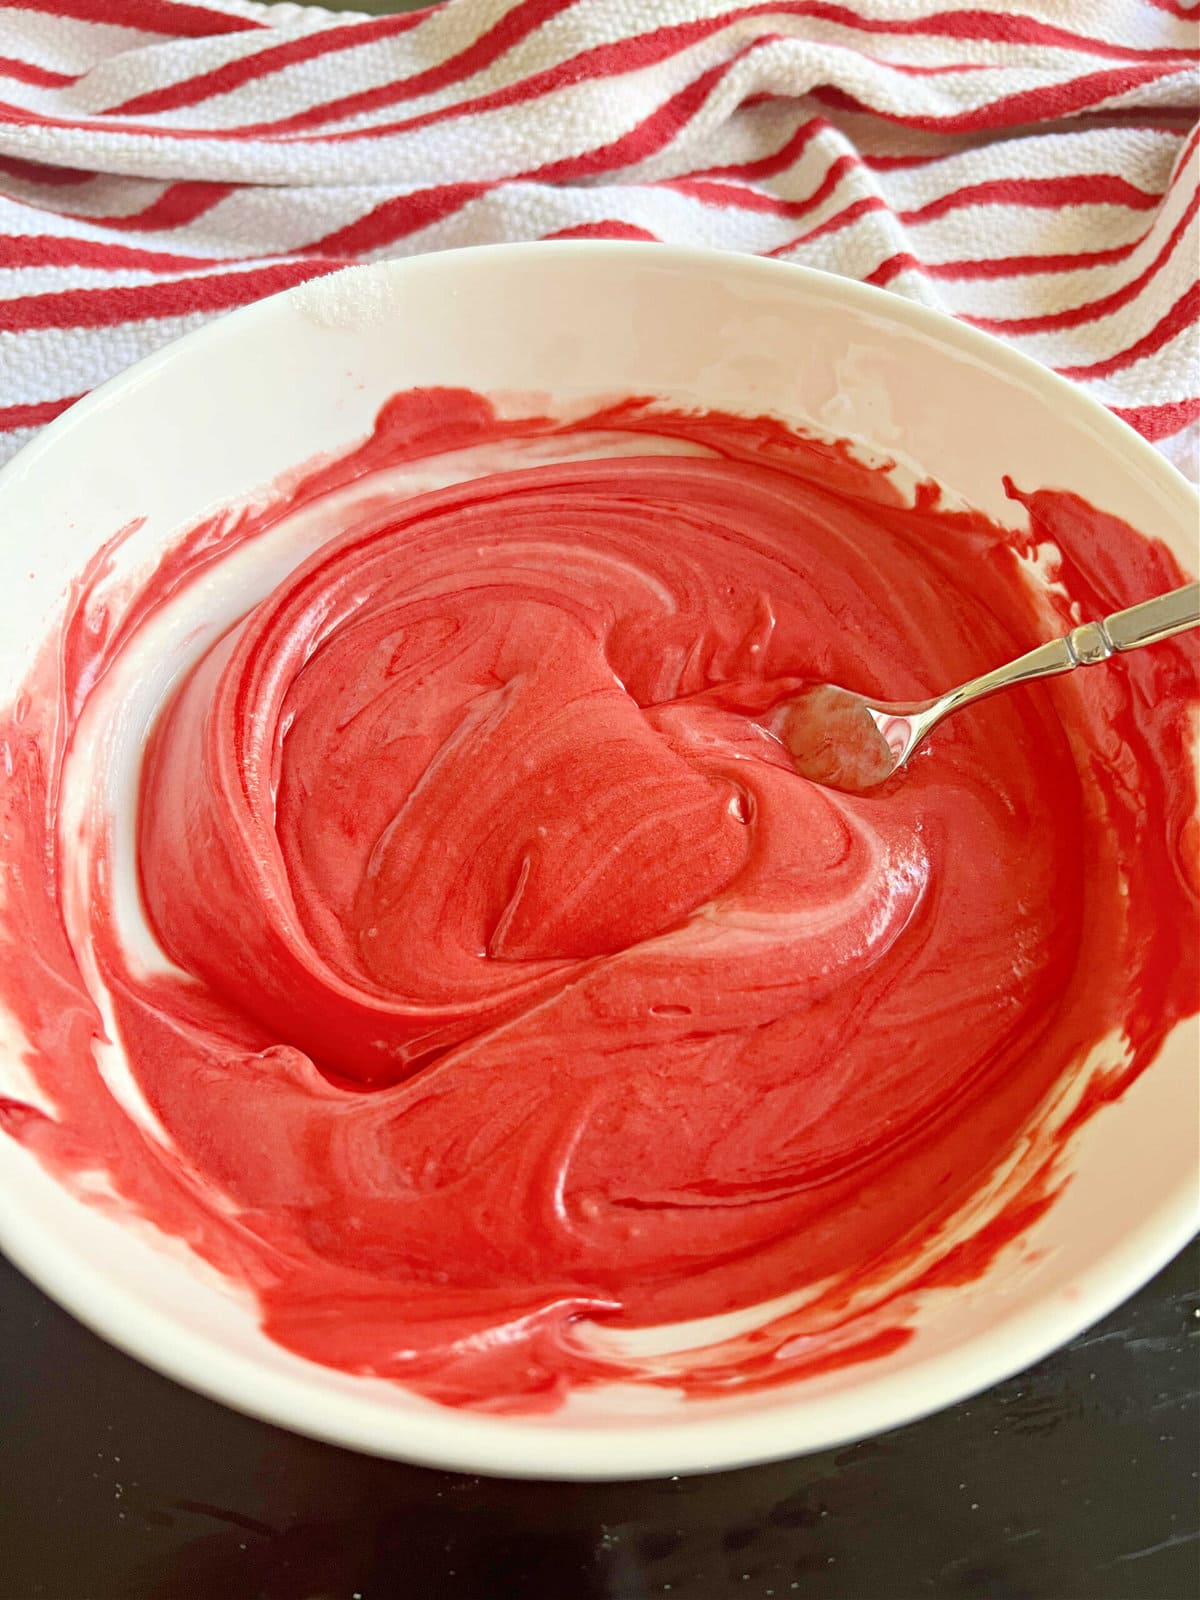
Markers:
point(522, 983)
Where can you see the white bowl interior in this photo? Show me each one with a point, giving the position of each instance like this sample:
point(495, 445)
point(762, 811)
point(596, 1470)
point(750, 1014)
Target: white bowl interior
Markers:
point(221, 414)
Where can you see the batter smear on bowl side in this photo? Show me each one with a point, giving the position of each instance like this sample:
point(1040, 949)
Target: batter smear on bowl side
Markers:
point(512, 990)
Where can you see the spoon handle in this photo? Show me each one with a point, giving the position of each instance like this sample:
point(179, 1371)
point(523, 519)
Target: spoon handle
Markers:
point(1155, 619)
point(1091, 642)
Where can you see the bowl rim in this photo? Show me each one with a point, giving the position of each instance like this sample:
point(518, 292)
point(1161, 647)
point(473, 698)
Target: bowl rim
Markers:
point(518, 1446)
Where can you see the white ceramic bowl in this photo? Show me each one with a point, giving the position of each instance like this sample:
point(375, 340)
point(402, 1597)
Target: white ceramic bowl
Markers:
point(221, 413)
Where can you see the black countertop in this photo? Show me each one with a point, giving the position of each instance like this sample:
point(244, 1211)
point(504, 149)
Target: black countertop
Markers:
point(1077, 1480)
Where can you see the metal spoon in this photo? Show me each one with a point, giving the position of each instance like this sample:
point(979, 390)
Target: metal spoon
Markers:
point(850, 742)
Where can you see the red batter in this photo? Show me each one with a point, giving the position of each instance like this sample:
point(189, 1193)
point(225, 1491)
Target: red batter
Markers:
point(525, 985)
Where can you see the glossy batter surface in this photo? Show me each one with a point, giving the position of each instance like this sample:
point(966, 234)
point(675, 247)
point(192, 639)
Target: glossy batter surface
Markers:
point(519, 985)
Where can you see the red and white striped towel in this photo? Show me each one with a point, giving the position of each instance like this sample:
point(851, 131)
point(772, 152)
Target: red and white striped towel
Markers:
point(1031, 168)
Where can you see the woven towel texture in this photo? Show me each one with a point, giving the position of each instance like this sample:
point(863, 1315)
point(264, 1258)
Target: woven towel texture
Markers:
point(1031, 168)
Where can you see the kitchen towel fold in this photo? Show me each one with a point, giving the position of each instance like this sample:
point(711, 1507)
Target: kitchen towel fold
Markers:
point(1031, 168)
